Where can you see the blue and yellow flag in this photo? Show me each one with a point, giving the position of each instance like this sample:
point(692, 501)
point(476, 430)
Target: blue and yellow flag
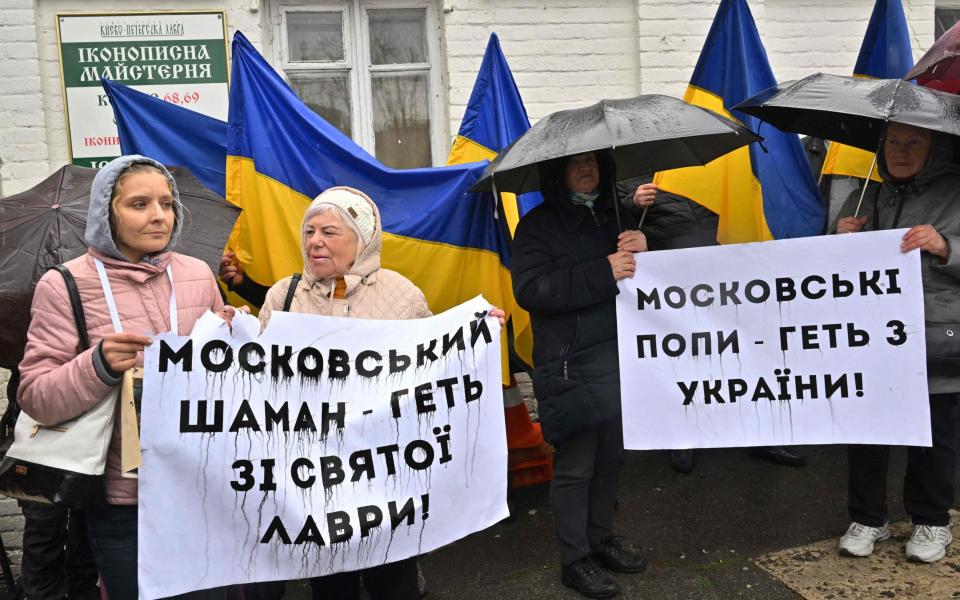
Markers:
point(280, 155)
point(884, 54)
point(494, 118)
point(171, 134)
point(759, 192)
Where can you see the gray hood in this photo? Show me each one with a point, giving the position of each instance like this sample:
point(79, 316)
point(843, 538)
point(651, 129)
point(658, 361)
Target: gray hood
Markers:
point(939, 162)
point(98, 234)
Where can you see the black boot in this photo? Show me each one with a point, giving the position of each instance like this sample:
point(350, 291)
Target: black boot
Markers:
point(780, 455)
point(584, 576)
point(611, 554)
point(681, 460)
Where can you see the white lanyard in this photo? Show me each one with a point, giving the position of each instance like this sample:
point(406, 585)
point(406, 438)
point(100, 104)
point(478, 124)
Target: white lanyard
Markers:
point(112, 305)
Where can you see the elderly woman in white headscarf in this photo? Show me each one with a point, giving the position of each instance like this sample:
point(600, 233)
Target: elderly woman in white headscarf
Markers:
point(341, 242)
point(342, 276)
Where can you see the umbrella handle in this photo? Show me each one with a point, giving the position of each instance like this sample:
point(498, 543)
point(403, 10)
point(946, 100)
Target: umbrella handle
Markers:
point(866, 182)
point(616, 204)
point(643, 216)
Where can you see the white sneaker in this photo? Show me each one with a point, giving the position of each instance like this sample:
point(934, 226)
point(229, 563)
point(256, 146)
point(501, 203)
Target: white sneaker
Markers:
point(859, 539)
point(928, 543)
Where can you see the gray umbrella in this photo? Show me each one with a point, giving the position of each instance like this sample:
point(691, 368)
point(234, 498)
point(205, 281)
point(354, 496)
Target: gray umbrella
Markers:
point(645, 134)
point(853, 110)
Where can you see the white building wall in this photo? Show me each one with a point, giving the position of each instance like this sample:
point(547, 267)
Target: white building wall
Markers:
point(671, 35)
point(563, 53)
point(23, 145)
point(806, 36)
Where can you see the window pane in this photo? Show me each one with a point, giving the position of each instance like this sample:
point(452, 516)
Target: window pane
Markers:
point(401, 119)
point(315, 37)
point(398, 36)
point(327, 94)
point(945, 19)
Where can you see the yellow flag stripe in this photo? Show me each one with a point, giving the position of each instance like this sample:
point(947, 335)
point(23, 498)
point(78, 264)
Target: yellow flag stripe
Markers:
point(279, 255)
point(727, 186)
point(466, 150)
point(847, 160)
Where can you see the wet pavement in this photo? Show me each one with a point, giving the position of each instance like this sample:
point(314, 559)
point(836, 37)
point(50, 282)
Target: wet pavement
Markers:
point(704, 535)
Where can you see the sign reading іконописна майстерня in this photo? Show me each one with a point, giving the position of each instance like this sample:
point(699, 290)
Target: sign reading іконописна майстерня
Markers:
point(180, 57)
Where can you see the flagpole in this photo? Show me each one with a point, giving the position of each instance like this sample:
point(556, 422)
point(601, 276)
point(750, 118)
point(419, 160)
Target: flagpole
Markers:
point(866, 182)
point(643, 216)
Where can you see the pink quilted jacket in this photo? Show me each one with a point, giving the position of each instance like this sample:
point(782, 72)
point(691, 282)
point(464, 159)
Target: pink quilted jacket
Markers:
point(56, 383)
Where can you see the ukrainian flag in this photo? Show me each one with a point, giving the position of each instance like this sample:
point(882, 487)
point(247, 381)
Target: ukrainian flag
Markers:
point(884, 54)
point(170, 134)
point(173, 135)
point(280, 155)
point(762, 191)
point(493, 119)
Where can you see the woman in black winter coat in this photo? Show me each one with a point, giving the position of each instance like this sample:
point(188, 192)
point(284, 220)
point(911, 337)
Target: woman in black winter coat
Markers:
point(568, 255)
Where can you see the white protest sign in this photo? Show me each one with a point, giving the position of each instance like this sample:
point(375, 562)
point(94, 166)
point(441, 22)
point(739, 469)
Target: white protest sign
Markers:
point(805, 341)
point(325, 445)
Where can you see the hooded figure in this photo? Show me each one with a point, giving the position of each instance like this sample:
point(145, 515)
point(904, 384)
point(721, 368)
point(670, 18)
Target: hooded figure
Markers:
point(568, 254)
point(366, 290)
point(931, 197)
point(58, 383)
point(100, 233)
point(920, 192)
point(341, 242)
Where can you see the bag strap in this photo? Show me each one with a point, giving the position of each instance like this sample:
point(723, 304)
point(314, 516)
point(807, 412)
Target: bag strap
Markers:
point(76, 305)
point(288, 301)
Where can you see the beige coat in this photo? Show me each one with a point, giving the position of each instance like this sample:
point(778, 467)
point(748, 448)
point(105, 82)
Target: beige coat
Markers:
point(372, 292)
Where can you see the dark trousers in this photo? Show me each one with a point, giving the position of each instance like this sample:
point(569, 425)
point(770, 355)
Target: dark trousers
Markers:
point(56, 555)
point(928, 488)
point(393, 581)
point(586, 476)
point(113, 538)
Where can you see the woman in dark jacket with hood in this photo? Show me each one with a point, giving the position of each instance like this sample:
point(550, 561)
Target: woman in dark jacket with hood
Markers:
point(568, 255)
point(921, 190)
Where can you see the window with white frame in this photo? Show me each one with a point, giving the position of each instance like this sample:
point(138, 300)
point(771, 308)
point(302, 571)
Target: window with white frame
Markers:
point(946, 15)
point(370, 68)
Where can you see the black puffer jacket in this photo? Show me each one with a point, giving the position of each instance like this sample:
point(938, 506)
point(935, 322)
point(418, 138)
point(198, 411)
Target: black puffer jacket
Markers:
point(561, 275)
point(673, 221)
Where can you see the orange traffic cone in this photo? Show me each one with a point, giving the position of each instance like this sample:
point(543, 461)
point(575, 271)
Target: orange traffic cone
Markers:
point(529, 457)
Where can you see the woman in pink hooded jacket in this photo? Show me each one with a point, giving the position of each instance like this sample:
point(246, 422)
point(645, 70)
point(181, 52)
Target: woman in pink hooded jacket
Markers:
point(134, 220)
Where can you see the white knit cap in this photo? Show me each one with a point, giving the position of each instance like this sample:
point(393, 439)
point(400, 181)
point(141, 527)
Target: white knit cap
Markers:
point(354, 205)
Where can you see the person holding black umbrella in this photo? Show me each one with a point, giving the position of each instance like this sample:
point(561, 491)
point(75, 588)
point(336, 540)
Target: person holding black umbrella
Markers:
point(568, 255)
point(920, 190)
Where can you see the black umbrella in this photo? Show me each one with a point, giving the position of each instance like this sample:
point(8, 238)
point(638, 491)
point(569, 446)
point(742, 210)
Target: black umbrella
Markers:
point(645, 134)
point(44, 226)
point(851, 110)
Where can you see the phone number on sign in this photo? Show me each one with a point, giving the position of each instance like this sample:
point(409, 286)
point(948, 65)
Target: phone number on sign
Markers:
point(184, 98)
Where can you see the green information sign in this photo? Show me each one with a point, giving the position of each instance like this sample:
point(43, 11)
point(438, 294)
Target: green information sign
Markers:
point(180, 57)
